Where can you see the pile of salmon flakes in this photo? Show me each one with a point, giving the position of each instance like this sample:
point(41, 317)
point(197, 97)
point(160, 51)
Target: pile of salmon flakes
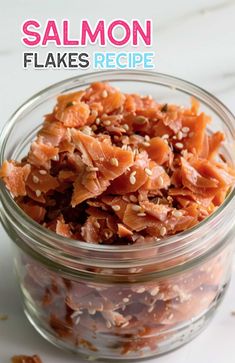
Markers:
point(114, 168)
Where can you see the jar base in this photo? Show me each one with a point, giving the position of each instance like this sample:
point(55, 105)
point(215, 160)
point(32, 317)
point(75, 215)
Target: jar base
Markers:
point(184, 334)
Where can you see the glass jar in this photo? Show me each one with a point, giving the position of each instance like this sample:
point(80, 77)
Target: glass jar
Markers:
point(119, 302)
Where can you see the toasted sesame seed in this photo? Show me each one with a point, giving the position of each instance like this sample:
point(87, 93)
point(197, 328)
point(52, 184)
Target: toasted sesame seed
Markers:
point(125, 300)
point(141, 214)
point(165, 136)
point(185, 129)
point(94, 127)
point(116, 208)
point(177, 213)
point(174, 137)
point(154, 291)
point(148, 171)
point(140, 120)
point(42, 172)
point(133, 198)
point(97, 121)
point(35, 179)
point(180, 135)
point(55, 158)
point(114, 161)
point(107, 123)
point(136, 207)
point(179, 145)
point(163, 231)
point(104, 94)
point(126, 127)
point(38, 192)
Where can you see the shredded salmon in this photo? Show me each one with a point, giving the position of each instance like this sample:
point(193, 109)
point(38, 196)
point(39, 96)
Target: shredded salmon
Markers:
point(108, 167)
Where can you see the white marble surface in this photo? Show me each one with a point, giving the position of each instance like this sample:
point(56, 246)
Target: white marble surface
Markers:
point(193, 40)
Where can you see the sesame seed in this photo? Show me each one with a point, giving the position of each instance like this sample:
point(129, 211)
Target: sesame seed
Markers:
point(160, 180)
point(125, 139)
point(77, 320)
point(38, 192)
point(125, 300)
point(165, 136)
point(165, 141)
point(124, 147)
point(126, 127)
point(136, 207)
point(147, 138)
point(125, 324)
point(94, 127)
point(170, 317)
point(133, 198)
point(154, 291)
point(97, 121)
point(185, 129)
point(132, 179)
point(55, 158)
point(92, 168)
point(104, 94)
point(125, 198)
point(35, 179)
point(116, 207)
point(96, 224)
point(141, 120)
point(114, 161)
point(108, 324)
point(42, 172)
point(142, 214)
point(107, 123)
point(174, 137)
point(140, 290)
point(179, 145)
point(86, 130)
point(177, 213)
point(163, 231)
point(180, 135)
point(108, 234)
point(184, 153)
point(151, 309)
point(146, 143)
point(148, 171)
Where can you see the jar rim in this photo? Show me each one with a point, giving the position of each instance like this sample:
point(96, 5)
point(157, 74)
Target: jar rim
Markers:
point(142, 76)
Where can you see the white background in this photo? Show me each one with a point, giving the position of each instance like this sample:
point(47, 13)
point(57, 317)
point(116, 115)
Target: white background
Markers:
point(193, 39)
